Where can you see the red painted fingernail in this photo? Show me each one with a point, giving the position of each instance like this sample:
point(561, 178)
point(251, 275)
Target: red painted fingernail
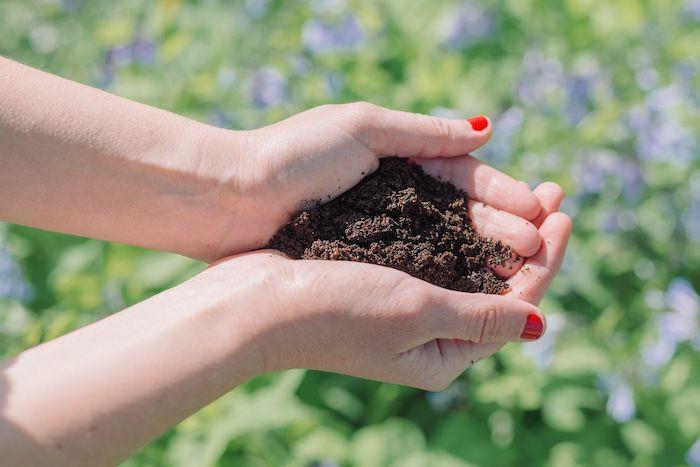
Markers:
point(533, 328)
point(479, 122)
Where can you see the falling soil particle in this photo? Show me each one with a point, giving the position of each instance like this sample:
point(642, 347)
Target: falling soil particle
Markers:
point(402, 218)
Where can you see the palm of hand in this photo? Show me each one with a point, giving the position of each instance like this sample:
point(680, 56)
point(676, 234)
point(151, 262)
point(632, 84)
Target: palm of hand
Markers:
point(316, 155)
point(377, 322)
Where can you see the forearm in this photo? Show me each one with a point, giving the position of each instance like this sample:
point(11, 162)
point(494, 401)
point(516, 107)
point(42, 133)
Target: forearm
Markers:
point(96, 395)
point(82, 161)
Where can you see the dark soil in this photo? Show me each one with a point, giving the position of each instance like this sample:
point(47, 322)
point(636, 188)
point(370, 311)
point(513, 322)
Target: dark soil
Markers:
point(403, 218)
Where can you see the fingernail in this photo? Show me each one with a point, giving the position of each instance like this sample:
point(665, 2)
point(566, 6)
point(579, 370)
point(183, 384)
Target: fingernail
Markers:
point(533, 328)
point(479, 122)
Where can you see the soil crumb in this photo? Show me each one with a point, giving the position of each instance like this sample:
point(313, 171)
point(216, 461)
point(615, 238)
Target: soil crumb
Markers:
point(402, 218)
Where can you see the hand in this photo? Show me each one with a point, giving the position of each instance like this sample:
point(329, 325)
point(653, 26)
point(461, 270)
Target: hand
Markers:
point(382, 324)
point(320, 153)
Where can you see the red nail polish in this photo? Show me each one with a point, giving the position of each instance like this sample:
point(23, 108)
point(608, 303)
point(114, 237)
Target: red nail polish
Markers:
point(533, 328)
point(478, 123)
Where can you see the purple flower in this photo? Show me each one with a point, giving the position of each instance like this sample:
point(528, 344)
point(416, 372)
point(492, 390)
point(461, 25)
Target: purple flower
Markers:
point(692, 9)
point(691, 221)
point(678, 325)
point(578, 99)
point(616, 220)
point(220, 118)
point(660, 136)
point(692, 457)
point(541, 81)
point(12, 282)
point(322, 37)
point(647, 78)
point(471, 23)
point(143, 51)
point(659, 352)
point(139, 51)
point(268, 87)
point(681, 297)
point(620, 406)
point(598, 169)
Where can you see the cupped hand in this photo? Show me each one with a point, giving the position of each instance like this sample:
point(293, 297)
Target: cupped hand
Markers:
point(379, 323)
point(318, 154)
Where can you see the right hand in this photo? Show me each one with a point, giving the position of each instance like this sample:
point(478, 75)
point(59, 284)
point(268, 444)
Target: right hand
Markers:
point(379, 323)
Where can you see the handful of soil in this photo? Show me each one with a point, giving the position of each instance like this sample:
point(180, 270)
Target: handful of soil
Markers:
point(403, 218)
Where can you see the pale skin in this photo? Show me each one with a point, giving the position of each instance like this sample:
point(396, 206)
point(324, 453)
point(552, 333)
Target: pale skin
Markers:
point(85, 162)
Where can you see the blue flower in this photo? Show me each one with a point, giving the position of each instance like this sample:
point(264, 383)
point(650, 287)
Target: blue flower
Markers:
point(139, 51)
point(659, 352)
point(620, 406)
point(541, 81)
point(679, 324)
point(691, 221)
point(268, 87)
point(322, 37)
point(471, 23)
point(220, 118)
point(681, 297)
point(599, 168)
point(692, 457)
point(692, 9)
point(661, 137)
point(12, 282)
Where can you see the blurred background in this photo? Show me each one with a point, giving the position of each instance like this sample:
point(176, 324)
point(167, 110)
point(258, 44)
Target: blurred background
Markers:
point(600, 96)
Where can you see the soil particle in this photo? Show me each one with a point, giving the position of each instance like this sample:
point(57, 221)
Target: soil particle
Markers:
point(402, 218)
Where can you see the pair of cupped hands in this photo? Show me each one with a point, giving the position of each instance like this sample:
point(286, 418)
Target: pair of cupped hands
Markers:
point(366, 320)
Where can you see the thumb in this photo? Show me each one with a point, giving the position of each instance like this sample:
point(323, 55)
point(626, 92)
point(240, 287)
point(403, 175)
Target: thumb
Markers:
point(481, 318)
point(394, 133)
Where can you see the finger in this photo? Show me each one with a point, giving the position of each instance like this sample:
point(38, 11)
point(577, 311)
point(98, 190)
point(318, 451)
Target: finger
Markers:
point(550, 195)
point(485, 184)
point(481, 318)
point(394, 133)
point(521, 235)
point(532, 279)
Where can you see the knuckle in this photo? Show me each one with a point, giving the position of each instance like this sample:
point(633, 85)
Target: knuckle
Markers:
point(442, 127)
point(360, 119)
point(489, 325)
point(362, 111)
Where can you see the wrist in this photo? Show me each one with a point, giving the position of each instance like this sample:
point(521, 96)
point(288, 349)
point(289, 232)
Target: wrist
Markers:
point(214, 201)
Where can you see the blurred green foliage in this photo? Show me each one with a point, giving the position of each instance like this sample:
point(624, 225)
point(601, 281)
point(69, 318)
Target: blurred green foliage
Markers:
point(599, 96)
